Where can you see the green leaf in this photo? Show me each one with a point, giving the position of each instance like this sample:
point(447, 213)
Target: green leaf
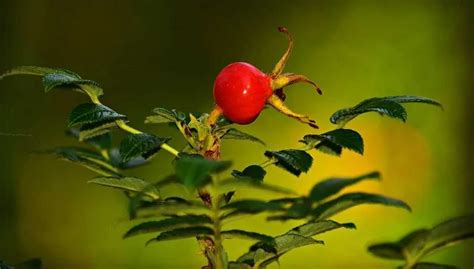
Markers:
point(246, 183)
point(430, 265)
point(255, 172)
point(293, 160)
point(100, 142)
point(423, 242)
point(344, 138)
point(408, 248)
point(130, 184)
point(144, 145)
point(389, 106)
point(88, 131)
point(34, 263)
point(54, 78)
point(329, 147)
point(181, 233)
point(380, 105)
point(37, 71)
point(164, 115)
point(230, 234)
point(250, 206)
point(300, 208)
point(116, 159)
point(318, 227)
point(391, 251)
point(263, 255)
point(331, 186)
point(86, 158)
point(195, 171)
point(413, 99)
point(171, 207)
point(349, 200)
point(449, 233)
point(90, 113)
point(232, 133)
point(167, 224)
point(57, 80)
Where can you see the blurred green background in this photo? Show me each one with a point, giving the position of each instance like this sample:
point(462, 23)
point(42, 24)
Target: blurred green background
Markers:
point(166, 53)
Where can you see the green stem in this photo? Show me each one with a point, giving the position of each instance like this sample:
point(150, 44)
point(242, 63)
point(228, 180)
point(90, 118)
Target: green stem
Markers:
point(219, 253)
point(124, 126)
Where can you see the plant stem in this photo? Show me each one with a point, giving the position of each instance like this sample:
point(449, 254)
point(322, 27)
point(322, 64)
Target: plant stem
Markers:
point(127, 128)
point(219, 253)
point(269, 162)
point(124, 126)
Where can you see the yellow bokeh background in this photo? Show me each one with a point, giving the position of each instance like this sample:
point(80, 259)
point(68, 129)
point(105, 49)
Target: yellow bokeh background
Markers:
point(166, 53)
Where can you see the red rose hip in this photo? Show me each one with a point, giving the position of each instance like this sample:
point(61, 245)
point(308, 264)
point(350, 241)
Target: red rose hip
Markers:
point(241, 91)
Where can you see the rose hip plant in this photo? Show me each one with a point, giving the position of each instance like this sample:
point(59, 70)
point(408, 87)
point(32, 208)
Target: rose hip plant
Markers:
point(241, 92)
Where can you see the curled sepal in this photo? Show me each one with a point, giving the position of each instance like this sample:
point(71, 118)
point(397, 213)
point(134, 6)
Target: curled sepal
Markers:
point(278, 69)
point(289, 78)
point(278, 104)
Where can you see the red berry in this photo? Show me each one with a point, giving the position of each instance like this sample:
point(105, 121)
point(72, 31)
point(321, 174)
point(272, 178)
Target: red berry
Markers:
point(241, 91)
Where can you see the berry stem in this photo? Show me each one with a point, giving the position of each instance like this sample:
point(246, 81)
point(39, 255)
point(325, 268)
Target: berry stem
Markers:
point(214, 116)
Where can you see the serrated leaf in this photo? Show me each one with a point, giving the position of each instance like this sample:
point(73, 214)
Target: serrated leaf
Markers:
point(171, 207)
point(331, 186)
point(349, 200)
point(232, 133)
point(300, 208)
point(181, 233)
point(167, 224)
point(230, 234)
point(163, 115)
point(282, 244)
point(55, 80)
point(250, 206)
point(293, 160)
point(430, 265)
point(449, 232)
point(329, 147)
point(116, 159)
point(86, 158)
point(144, 145)
point(408, 248)
point(336, 139)
point(195, 171)
point(90, 113)
point(100, 142)
point(380, 105)
point(423, 242)
point(88, 131)
point(387, 250)
point(37, 71)
point(255, 172)
point(413, 99)
point(318, 227)
point(262, 253)
point(130, 184)
point(232, 184)
point(389, 106)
